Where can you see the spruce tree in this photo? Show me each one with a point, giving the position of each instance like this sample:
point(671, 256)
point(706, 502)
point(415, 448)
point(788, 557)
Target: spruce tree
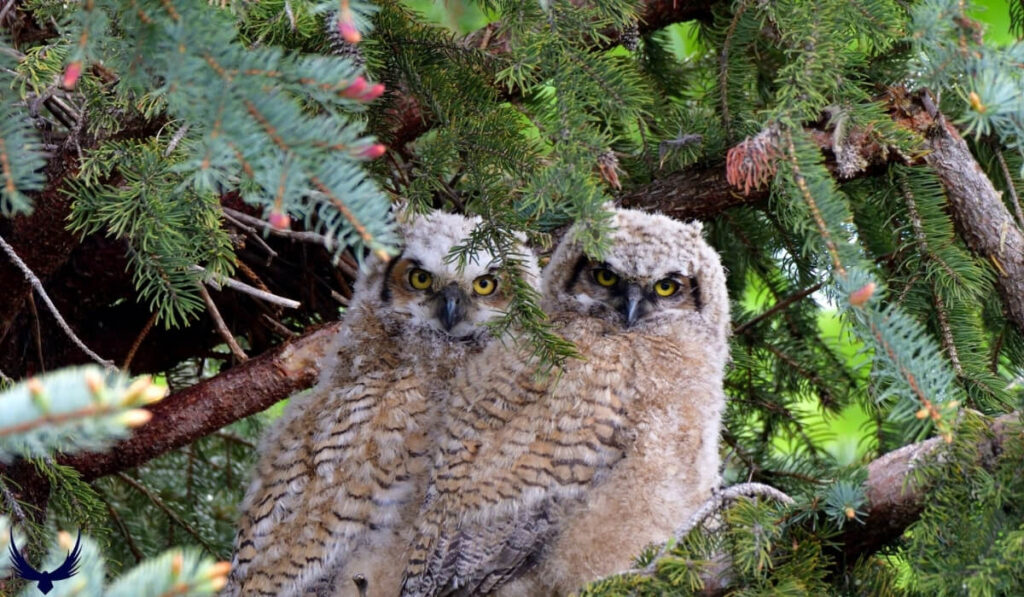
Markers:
point(187, 191)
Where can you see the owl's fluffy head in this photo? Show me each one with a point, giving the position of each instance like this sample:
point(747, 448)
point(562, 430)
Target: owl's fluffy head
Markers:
point(421, 290)
point(657, 272)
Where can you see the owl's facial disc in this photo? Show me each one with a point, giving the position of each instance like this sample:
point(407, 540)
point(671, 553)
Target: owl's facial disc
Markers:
point(437, 296)
point(603, 290)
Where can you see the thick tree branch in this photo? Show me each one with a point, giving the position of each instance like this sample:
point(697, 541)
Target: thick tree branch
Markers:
point(694, 193)
point(977, 207)
point(204, 408)
point(895, 501)
point(980, 213)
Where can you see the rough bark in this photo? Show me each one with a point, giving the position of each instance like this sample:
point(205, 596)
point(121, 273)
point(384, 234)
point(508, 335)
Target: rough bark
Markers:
point(209, 405)
point(980, 214)
point(895, 501)
point(694, 193)
point(703, 192)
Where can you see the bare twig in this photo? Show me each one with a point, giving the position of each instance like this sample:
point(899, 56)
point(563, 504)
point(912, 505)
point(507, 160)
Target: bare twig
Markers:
point(121, 528)
point(12, 502)
point(714, 504)
point(279, 327)
point(235, 439)
point(34, 281)
point(246, 289)
point(37, 332)
point(301, 236)
point(138, 341)
point(155, 499)
point(778, 306)
point(68, 116)
point(252, 232)
point(1011, 189)
point(13, 53)
point(74, 115)
point(245, 269)
point(338, 297)
point(222, 327)
point(7, 7)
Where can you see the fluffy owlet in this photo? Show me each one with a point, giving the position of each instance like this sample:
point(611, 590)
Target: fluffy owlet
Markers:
point(544, 484)
point(343, 472)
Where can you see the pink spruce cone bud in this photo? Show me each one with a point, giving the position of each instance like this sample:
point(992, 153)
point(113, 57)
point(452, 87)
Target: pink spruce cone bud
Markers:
point(861, 295)
point(373, 93)
point(279, 220)
point(72, 73)
point(347, 30)
point(372, 152)
point(355, 89)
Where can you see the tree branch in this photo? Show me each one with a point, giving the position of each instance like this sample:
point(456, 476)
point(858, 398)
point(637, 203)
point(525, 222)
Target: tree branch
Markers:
point(217, 281)
point(222, 328)
point(38, 286)
point(694, 193)
point(980, 213)
point(895, 501)
point(202, 409)
point(983, 219)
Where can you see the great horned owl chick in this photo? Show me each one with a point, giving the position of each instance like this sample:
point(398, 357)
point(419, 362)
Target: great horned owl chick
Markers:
point(545, 485)
point(344, 470)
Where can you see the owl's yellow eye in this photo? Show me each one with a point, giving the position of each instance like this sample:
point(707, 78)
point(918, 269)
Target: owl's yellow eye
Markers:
point(420, 279)
point(666, 287)
point(485, 285)
point(605, 277)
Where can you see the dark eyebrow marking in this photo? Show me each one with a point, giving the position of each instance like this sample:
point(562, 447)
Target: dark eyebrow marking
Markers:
point(385, 289)
point(576, 269)
point(695, 292)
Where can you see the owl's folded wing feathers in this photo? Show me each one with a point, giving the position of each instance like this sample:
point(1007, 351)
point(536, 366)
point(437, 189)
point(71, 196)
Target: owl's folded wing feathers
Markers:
point(491, 510)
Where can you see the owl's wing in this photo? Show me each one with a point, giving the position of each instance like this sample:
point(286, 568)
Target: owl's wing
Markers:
point(273, 496)
point(494, 501)
point(357, 471)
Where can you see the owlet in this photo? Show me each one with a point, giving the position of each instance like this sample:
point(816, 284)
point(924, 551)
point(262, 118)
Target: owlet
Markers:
point(342, 474)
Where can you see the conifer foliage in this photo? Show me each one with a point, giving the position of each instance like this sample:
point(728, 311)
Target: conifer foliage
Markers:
point(192, 183)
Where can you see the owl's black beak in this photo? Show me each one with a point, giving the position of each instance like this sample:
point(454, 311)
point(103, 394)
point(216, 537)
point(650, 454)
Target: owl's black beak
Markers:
point(361, 584)
point(451, 306)
point(633, 307)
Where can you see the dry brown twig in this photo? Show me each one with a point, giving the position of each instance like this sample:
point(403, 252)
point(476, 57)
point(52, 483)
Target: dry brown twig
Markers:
point(38, 286)
point(222, 328)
